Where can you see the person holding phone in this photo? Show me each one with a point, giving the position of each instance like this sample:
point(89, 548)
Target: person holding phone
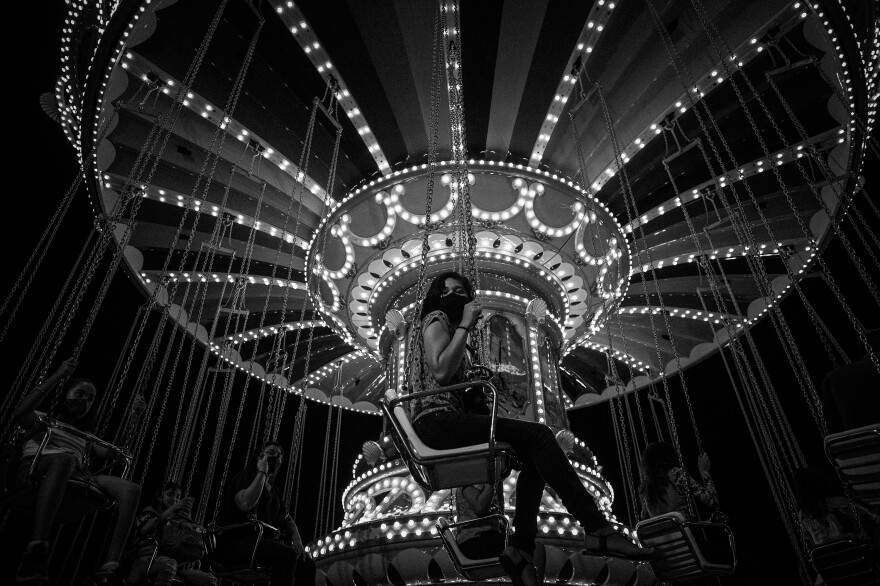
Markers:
point(252, 495)
point(149, 525)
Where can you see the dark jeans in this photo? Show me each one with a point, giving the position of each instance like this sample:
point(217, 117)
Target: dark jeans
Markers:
point(287, 567)
point(543, 462)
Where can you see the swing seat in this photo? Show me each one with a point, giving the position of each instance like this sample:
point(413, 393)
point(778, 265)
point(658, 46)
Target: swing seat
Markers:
point(81, 497)
point(439, 469)
point(845, 563)
point(855, 454)
point(249, 573)
point(688, 550)
point(475, 570)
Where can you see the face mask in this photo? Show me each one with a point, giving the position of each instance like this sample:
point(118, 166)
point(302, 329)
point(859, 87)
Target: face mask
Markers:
point(453, 306)
point(77, 407)
point(272, 461)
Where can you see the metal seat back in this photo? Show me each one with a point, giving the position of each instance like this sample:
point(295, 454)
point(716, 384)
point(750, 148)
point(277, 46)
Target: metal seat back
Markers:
point(855, 455)
point(475, 570)
point(845, 563)
point(436, 469)
point(244, 573)
point(688, 550)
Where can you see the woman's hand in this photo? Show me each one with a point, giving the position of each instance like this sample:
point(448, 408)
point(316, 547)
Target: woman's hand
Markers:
point(175, 508)
point(186, 506)
point(703, 463)
point(66, 368)
point(471, 314)
point(263, 464)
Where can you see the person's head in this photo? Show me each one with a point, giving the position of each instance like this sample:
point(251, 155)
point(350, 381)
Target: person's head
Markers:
point(169, 495)
point(811, 488)
point(76, 403)
point(273, 451)
point(657, 460)
point(449, 292)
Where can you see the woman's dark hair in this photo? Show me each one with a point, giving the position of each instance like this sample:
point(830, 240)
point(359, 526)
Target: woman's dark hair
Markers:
point(88, 423)
point(811, 488)
point(250, 467)
point(657, 460)
point(435, 291)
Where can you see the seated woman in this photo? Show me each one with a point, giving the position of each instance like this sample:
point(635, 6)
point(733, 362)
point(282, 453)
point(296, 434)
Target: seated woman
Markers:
point(449, 312)
point(61, 460)
point(825, 516)
point(149, 526)
point(250, 495)
point(479, 541)
point(666, 486)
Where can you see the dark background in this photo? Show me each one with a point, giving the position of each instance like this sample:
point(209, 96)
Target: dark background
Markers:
point(41, 164)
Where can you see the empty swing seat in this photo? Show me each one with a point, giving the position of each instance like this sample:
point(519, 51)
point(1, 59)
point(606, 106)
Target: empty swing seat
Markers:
point(855, 454)
point(845, 563)
point(474, 570)
point(81, 497)
point(244, 573)
point(439, 469)
point(688, 550)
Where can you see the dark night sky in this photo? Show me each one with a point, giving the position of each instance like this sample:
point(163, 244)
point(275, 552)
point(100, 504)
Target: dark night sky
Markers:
point(42, 165)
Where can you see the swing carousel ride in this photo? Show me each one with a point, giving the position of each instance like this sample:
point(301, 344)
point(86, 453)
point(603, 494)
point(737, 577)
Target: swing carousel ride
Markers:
point(633, 185)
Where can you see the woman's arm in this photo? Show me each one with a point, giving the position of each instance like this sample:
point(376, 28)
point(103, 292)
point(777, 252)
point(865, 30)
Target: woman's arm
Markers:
point(150, 520)
point(444, 355)
point(24, 411)
point(705, 493)
point(246, 499)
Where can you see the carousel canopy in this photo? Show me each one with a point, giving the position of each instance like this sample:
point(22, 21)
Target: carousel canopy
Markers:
point(615, 171)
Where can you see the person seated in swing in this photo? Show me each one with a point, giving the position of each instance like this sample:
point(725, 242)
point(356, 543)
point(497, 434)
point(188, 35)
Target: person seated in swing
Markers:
point(152, 524)
point(851, 393)
point(62, 459)
point(252, 495)
point(825, 515)
point(449, 312)
point(484, 540)
point(666, 487)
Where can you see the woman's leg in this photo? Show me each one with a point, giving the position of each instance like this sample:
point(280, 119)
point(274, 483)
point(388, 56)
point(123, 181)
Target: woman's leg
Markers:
point(161, 573)
point(193, 577)
point(543, 462)
point(56, 470)
point(126, 495)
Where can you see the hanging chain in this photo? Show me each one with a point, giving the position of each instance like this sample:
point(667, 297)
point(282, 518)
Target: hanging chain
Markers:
point(629, 201)
point(620, 428)
point(415, 331)
point(674, 60)
point(455, 81)
point(714, 38)
point(586, 184)
point(322, 485)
